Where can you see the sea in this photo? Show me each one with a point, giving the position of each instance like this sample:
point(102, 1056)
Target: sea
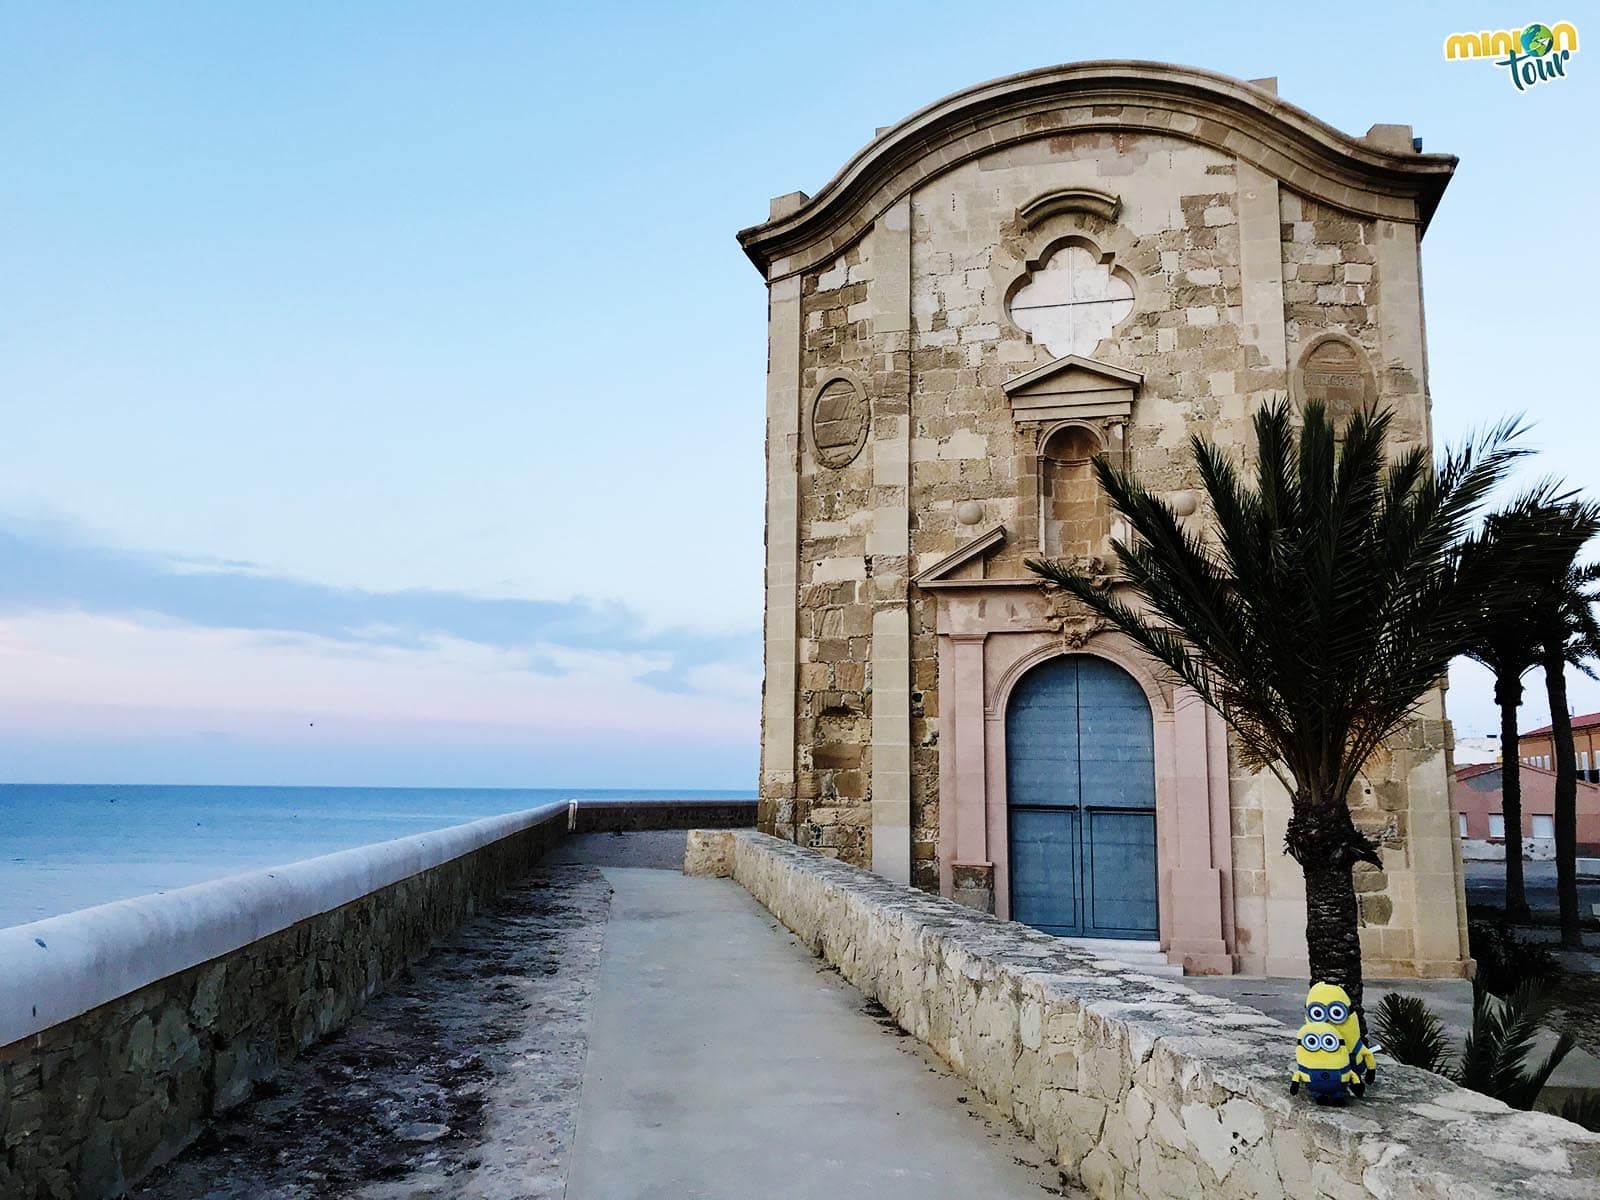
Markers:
point(69, 846)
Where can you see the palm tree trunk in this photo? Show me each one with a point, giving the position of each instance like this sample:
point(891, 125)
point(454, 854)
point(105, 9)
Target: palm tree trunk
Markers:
point(1508, 695)
point(1566, 817)
point(1333, 941)
point(1325, 842)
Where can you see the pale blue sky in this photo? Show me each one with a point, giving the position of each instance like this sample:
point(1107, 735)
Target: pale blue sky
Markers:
point(393, 367)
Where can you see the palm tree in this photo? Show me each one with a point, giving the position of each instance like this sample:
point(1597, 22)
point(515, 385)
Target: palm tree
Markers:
point(1526, 538)
point(1505, 655)
point(1328, 606)
point(1568, 634)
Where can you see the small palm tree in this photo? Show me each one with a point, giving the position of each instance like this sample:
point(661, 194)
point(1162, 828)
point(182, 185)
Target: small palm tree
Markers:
point(1495, 1060)
point(1411, 1033)
point(1328, 606)
point(1568, 635)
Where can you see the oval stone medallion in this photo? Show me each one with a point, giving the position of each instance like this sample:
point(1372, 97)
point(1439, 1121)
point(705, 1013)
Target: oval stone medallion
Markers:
point(840, 416)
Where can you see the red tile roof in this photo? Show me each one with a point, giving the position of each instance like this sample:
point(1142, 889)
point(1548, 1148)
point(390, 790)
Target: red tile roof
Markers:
point(1473, 770)
point(1583, 722)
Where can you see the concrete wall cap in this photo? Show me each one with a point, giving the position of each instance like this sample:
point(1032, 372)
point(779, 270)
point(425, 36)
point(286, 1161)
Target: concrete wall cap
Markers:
point(57, 968)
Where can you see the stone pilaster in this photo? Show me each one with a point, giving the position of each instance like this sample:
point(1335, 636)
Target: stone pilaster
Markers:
point(1402, 375)
point(889, 545)
point(783, 447)
point(1261, 279)
point(1196, 880)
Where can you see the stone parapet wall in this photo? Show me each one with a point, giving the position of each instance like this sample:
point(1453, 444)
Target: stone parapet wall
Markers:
point(626, 816)
point(95, 1100)
point(1138, 1086)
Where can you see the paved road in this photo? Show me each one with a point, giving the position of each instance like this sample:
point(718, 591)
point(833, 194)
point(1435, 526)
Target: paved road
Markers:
point(725, 1063)
point(1486, 884)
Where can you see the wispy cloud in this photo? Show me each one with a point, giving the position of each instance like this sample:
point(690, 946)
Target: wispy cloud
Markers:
point(46, 569)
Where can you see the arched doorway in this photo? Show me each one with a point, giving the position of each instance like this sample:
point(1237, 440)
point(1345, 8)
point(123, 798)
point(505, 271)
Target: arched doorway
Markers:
point(1081, 801)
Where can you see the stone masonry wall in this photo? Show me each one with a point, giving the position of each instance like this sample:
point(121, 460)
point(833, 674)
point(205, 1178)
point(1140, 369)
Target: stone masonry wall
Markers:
point(1237, 280)
point(92, 1104)
point(1244, 289)
point(833, 769)
point(1178, 238)
point(846, 577)
point(627, 816)
point(1141, 1088)
point(1334, 269)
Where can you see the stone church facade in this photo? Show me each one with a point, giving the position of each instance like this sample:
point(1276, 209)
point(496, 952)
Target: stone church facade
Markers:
point(1099, 258)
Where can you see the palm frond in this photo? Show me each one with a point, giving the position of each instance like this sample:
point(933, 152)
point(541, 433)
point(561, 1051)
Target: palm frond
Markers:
point(1411, 1033)
point(1501, 1040)
point(1333, 596)
point(1494, 1061)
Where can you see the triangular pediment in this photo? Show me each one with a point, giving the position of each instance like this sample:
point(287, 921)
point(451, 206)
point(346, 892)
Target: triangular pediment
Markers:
point(959, 565)
point(1073, 386)
point(967, 567)
point(1073, 373)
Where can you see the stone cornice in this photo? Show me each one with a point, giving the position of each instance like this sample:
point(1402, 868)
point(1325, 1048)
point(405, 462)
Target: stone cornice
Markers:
point(1308, 155)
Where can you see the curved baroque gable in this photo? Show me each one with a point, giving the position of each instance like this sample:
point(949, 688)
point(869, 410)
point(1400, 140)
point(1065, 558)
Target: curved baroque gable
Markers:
point(1242, 120)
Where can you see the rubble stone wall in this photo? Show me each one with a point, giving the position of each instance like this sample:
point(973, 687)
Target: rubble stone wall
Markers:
point(853, 705)
point(1141, 1088)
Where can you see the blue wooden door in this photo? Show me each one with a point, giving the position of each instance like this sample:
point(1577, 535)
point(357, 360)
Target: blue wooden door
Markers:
point(1081, 798)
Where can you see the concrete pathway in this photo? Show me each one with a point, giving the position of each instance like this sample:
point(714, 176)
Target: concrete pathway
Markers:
point(670, 1040)
point(727, 1062)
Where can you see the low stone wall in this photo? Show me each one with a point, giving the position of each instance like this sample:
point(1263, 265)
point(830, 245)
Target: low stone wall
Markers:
point(124, 1028)
point(1140, 1087)
point(623, 816)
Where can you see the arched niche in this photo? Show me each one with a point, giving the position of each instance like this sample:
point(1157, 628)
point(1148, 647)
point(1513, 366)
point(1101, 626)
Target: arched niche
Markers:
point(1074, 514)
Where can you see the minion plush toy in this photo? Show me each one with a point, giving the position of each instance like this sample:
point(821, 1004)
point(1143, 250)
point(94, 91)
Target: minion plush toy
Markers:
point(1331, 1003)
point(1320, 1062)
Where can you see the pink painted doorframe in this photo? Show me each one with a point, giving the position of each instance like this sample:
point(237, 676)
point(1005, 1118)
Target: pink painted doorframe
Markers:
point(988, 638)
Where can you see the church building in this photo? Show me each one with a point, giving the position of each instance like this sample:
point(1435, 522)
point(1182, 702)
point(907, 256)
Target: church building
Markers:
point(1098, 258)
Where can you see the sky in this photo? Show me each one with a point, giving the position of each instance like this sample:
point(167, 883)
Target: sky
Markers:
point(383, 385)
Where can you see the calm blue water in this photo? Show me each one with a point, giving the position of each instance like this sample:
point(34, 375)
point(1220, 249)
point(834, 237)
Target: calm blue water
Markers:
point(64, 847)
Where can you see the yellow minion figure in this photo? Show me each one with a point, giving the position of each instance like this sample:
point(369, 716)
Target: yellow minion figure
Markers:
point(1331, 1003)
point(1320, 1062)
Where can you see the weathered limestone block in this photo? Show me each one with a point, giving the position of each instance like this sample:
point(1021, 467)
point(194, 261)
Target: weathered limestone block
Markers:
point(709, 852)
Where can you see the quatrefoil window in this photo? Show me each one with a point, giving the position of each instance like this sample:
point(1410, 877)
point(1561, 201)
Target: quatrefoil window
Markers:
point(1072, 302)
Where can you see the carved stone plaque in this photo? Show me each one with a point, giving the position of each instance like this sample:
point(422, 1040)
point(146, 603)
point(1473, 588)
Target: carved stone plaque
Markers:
point(1337, 372)
point(1075, 621)
point(840, 419)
